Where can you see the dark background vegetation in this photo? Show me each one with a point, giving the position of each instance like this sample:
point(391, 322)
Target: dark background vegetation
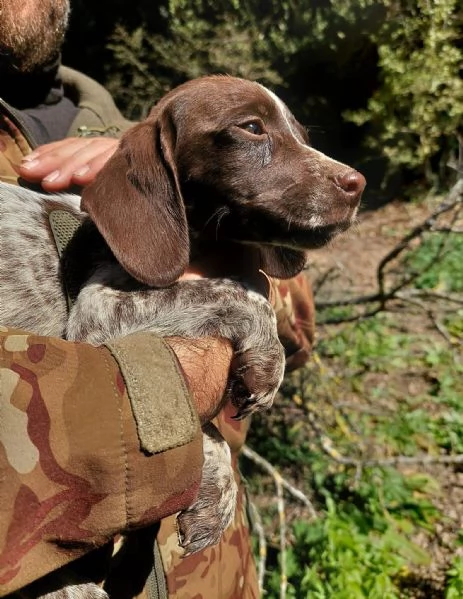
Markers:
point(377, 82)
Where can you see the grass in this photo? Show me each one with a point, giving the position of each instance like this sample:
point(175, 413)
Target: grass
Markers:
point(385, 386)
point(446, 273)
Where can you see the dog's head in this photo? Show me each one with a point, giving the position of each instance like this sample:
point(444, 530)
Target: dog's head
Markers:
point(226, 157)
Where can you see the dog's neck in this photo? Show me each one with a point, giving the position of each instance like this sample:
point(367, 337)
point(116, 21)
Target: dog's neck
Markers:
point(223, 258)
point(87, 250)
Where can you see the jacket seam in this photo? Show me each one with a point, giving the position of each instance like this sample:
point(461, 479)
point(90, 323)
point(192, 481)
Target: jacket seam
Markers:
point(119, 400)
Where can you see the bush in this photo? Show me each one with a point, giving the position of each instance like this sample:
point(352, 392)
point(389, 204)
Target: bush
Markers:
point(415, 113)
point(200, 37)
point(387, 72)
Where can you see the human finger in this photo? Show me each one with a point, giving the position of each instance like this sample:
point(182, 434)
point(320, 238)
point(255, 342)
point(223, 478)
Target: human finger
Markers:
point(54, 165)
point(50, 157)
point(87, 173)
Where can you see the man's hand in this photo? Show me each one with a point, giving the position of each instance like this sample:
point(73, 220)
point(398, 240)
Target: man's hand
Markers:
point(206, 365)
point(71, 161)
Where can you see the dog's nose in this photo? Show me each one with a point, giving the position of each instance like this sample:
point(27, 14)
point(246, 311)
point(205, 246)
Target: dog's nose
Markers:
point(352, 183)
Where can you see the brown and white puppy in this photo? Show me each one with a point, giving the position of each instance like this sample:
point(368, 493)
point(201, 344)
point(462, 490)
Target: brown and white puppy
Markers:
point(220, 167)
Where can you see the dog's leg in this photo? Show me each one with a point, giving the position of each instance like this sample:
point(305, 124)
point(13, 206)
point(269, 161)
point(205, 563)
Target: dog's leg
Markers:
point(204, 522)
point(198, 308)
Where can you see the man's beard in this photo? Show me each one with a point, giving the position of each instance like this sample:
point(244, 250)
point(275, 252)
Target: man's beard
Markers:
point(31, 33)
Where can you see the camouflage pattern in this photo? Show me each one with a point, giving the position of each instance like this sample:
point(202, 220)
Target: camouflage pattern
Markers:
point(226, 571)
point(13, 147)
point(68, 442)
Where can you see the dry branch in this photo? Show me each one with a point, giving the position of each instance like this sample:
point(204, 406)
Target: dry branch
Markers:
point(328, 447)
point(379, 299)
point(280, 484)
point(292, 490)
point(259, 529)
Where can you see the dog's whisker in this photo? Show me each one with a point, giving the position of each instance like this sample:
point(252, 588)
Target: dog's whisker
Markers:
point(217, 214)
point(221, 214)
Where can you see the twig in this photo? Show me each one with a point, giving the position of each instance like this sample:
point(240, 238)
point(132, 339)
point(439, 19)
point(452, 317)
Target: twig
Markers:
point(447, 230)
point(282, 519)
point(280, 484)
point(355, 318)
point(433, 295)
point(383, 295)
point(442, 329)
point(326, 276)
point(402, 460)
point(267, 466)
point(354, 301)
point(373, 411)
point(439, 326)
point(259, 528)
point(328, 447)
point(452, 199)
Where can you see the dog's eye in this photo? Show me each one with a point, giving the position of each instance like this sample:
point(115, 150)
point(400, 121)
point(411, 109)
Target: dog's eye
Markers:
point(254, 127)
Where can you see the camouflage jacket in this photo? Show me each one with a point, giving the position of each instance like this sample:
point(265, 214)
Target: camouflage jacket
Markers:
point(71, 490)
point(73, 471)
point(65, 490)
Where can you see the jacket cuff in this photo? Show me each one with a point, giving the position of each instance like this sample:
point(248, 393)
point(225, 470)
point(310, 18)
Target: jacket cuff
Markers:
point(158, 394)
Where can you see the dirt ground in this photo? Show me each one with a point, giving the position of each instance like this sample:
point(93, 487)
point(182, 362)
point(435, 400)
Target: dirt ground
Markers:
point(353, 258)
point(348, 268)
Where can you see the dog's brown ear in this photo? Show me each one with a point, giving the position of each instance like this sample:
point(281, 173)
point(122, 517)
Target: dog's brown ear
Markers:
point(282, 263)
point(137, 205)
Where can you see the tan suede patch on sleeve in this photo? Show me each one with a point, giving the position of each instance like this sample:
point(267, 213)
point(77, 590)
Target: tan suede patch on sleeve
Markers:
point(160, 400)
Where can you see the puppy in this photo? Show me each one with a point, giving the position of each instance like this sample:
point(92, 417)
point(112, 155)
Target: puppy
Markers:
point(219, 168)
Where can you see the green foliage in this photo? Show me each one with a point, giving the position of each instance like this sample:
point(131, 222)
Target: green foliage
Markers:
point(360, 548)
point(201, 37)
point(454, 588)
point(369, 345)
point(437, 261)
point(382, 386)
point(415, 112)
point(278, 43)
point(343, 560)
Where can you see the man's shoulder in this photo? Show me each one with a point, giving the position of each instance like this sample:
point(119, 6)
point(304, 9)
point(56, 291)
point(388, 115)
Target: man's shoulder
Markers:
point(98, 113)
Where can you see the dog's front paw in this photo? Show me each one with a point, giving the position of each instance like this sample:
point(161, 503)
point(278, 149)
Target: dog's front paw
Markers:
point(256, 378)
point(204, 522)
point(259, 362)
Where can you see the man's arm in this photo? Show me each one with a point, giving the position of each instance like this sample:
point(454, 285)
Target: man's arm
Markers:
point(73, 467)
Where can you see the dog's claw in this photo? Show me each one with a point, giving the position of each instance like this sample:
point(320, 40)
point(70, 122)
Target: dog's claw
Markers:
point(256, 377)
